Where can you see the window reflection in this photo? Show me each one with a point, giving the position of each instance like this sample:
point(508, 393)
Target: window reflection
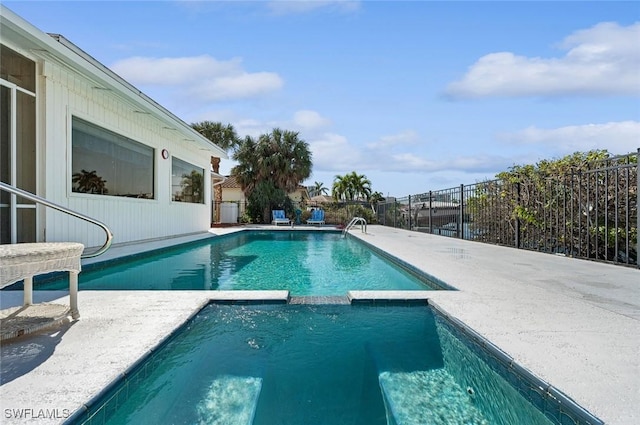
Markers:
point(187, 182)
point(106, 163)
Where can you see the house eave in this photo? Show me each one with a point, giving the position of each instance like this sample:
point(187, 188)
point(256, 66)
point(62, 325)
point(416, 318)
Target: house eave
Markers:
point(57, 48)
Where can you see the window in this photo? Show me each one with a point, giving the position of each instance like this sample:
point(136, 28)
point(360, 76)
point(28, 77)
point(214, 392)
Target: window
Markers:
point(106, 163)
point(187, 182)
point(17, 69)
point(17, 145)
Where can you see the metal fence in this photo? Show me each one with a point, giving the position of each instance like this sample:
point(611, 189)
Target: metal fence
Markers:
point(591, 213)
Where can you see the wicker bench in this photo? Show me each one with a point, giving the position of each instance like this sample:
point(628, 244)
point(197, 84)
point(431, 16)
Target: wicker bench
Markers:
point(26, 260)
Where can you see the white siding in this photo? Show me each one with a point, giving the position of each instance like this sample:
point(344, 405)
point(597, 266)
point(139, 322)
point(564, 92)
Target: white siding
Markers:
point(65, 94)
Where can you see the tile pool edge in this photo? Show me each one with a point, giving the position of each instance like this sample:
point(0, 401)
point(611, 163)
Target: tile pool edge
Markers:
point(389, 296)
point(491, 353)
point(422, 275)
point(221, 297)
point(560, 405)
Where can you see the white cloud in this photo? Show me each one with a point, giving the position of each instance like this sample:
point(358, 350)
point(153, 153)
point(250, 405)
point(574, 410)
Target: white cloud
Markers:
point(310, 120)
point(336, 154)
point(602, 60)
point(333, 152)
point(617, 137)
point(408, 137)
point(201, 77)
point(412, 163)
point(239, 86)
point(251, 127)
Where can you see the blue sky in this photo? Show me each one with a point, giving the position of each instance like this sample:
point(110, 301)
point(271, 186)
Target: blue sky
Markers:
point(417, 96)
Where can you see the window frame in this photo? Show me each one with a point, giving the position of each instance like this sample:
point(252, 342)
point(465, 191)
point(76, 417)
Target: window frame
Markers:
point(121, 141)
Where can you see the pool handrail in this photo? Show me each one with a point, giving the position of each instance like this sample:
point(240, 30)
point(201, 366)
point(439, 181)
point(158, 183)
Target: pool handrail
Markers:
point(353, 222)
point(35, 198)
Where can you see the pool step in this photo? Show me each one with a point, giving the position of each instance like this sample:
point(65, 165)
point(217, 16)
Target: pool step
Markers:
point(230, 400)
point(427, 397)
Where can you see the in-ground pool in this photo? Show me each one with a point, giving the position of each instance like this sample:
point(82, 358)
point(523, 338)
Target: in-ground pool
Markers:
point(324, 364)
point(302, 262)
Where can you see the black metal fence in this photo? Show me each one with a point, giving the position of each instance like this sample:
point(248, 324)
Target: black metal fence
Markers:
point(590, 214)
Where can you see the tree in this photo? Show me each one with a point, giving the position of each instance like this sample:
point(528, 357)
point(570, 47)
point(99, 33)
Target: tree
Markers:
point(89, 182)
point(276, 160)
point(224, 137)
point(351, 187)
point(374, 199)
point(192, 186)
point(318, 189)
point(575, 205)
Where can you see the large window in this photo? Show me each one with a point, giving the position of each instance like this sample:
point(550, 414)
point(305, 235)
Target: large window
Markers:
point(187, 182)
point(106, 163)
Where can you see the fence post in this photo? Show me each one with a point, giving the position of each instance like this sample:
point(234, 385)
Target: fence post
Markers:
point(461, 218)
point(430, 214)
point(410, 214)
point(395, 212)
point(517, 241)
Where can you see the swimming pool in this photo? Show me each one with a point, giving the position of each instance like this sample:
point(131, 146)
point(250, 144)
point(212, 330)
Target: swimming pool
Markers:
point(322, 364)
point(302, 262)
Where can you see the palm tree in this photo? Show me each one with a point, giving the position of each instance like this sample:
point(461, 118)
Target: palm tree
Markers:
point(226, 138)
point(246, 172)
point(89, 182)
point(340, 189)
point(361, 186)
point(192, 185)
point(374, 199)
point(351, 187)
point(278, 158)
point(318, 189)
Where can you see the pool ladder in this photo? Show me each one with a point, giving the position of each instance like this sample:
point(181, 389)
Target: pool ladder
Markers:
point(352, 223)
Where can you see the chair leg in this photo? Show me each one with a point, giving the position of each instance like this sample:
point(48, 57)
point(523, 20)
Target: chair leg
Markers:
point(28, 290)
point(73, 294)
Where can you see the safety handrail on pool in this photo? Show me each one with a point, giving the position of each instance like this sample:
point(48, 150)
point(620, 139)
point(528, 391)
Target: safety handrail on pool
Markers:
point(353, 222)
point(35, 198)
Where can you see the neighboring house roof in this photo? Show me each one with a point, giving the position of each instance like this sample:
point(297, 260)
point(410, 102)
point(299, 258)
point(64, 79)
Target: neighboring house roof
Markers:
point(436, 204)
point(321, 199)
point(231, 183)
point(56, 48)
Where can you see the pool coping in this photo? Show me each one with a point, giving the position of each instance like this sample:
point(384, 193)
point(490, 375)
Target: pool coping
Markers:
point(562, 305)
point(354, 298)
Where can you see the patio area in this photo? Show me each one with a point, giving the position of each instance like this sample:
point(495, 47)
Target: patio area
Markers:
point(573, 323)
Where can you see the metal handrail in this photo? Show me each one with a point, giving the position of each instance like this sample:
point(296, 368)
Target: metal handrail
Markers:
point(353, 222)
point(38, 199)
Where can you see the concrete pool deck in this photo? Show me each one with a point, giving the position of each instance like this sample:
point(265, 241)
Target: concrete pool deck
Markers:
point(573, 323)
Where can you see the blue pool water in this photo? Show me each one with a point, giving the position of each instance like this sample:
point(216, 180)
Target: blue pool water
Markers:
point(303, 262)
point(315, 365)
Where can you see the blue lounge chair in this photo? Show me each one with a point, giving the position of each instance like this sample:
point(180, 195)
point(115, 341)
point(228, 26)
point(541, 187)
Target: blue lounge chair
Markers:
point(317, 217)
point(278, 217)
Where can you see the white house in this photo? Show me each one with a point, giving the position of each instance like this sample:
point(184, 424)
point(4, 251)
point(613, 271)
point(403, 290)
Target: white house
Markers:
point(77, 134)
